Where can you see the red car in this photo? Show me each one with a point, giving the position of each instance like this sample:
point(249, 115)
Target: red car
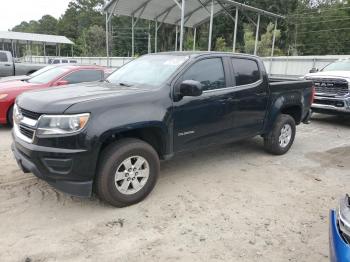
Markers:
point(57, 76)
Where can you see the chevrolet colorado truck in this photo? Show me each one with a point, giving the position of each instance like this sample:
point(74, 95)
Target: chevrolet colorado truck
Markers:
point(332, 85)
point(110, 136)
point(8, 66)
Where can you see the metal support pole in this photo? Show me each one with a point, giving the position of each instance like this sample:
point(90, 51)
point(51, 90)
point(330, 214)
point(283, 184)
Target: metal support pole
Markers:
point(194, 38)
point(156, 36)
point(72, 49)
point(274, 39)
point(182, 24)
point(44, 48)
point(132, 36)
point(257, 36)
point(59, 50)
point(149, 37)
point(12, 52)
point(211, 25)
point(235, 32)
point(107, 40)
point(176, 40)
point(3, 45)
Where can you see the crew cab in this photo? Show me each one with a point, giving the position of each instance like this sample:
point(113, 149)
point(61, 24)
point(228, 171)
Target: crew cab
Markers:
point(8, 66)
point(113, 134)
point(57, 75)
point(332, 85)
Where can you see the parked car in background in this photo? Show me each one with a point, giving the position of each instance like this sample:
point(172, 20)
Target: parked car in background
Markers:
point(8, 66)
point(54, 61)
point(57, 76)
point(26, 77)
point(339, 232)
point(112, 134)
point(332, 85)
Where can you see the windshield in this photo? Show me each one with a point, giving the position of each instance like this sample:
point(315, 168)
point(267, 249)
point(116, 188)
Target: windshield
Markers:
point(49, 75)
point(150, 70)
point(42, 70)
point(338, 66)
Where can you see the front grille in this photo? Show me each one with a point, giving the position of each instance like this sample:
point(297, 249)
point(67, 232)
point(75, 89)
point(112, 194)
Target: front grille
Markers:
point(329, 102)
point(27, 132)
point(30, 114)
point(334, 87)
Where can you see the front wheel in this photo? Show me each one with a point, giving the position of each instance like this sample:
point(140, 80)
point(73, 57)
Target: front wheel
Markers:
point(127, 173)
point(281, 137)
point(10, 117)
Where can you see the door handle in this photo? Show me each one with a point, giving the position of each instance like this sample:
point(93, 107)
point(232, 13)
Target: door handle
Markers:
point(7, 64)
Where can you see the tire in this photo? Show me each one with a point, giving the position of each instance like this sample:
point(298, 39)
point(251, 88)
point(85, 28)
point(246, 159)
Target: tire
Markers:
point(274, 142)
point(132, 186)
point(10, 117)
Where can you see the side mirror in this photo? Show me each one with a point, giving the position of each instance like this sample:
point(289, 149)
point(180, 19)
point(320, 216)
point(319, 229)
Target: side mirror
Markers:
point(313, 70)
point(61, 83)
point(191, 88)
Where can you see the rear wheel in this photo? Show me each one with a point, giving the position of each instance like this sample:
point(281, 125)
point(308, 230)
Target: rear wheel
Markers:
point(281, 137)
point(10, 116)
point(127, 173)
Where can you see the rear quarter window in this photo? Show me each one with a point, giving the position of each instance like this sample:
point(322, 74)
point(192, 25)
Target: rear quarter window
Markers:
point(3, 57)
point(246, 71)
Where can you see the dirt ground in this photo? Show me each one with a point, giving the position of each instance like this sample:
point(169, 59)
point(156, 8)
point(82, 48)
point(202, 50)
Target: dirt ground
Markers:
point(228, 203)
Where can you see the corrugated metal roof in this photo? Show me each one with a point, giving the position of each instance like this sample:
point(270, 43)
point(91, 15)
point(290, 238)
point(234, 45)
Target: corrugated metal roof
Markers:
point(34, 38)
point(168, 11)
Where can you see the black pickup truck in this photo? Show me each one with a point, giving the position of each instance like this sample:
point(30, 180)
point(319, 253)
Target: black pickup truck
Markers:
point(111, 135)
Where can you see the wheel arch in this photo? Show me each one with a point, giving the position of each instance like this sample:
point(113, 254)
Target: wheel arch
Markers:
point(154, 134)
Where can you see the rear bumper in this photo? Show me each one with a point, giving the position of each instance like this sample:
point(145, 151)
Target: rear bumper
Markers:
point(57, 169)
point(331, 104)
point(339, 250)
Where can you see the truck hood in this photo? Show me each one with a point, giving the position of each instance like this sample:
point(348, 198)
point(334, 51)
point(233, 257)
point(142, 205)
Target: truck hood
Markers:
point(59, 99)
point(335, 74)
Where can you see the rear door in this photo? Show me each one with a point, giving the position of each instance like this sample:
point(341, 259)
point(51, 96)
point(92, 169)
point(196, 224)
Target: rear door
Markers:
point(207, 119)
point(6, 65)
point(251, 96)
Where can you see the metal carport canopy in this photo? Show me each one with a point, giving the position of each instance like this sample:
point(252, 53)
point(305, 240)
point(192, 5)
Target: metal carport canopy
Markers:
point(186, 13)
point(168, 11)
point(8, 36)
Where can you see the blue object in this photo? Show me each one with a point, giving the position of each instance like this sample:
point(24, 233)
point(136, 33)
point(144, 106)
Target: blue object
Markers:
point(339, 250)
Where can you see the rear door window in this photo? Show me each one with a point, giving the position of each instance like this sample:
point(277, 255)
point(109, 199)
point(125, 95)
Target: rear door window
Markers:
point(87, 75)
point(209, 72)
point(3, 57)
point(246, 71)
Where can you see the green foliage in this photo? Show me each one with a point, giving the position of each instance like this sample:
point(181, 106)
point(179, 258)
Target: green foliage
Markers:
point(220, 44)
point(311, 27)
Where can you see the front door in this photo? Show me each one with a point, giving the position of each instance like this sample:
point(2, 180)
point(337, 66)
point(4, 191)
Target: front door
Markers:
point(203, 120)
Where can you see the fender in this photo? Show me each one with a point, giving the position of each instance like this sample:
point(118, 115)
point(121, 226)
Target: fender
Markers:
point(281, 103)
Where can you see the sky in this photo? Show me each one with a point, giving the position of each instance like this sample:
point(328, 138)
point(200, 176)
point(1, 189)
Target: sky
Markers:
point(14, 12)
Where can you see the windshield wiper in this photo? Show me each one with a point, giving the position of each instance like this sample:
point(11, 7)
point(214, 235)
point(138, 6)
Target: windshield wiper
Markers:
point(124, 84)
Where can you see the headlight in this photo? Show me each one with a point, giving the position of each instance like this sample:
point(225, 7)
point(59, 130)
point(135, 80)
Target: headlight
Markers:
point(61, 124)
point(3, 96)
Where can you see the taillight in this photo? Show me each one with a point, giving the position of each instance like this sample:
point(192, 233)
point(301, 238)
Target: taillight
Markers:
point(313, 93)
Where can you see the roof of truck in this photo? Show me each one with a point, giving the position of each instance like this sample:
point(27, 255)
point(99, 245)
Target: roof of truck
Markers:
point(199, 53)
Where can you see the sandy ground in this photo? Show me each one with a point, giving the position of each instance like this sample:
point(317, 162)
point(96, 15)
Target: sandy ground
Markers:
point(228, 203)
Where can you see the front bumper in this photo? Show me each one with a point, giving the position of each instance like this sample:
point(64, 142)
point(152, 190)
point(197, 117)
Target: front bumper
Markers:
point(68, 170)
point(338, 249)
point(331, 104)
